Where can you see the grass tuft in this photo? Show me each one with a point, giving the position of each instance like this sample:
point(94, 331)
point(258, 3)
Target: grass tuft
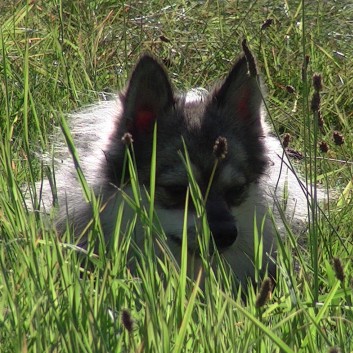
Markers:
point(57, 56)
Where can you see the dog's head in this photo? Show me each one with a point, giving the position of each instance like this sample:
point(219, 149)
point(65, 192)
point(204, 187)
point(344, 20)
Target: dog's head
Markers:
point(222, 132)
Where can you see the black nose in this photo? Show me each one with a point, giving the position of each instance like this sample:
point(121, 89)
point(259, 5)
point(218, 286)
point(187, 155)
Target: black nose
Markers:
point(224, 233)
point(222, 225)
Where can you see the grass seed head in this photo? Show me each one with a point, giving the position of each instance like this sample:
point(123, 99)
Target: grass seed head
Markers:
point(323, 146)
point(337, 265)
point(126, 320)
point(338, 138)
point(265, 293)
point(127, 139)
point(220, 148)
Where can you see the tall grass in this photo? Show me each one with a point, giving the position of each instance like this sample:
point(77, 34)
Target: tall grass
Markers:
point(57, 56)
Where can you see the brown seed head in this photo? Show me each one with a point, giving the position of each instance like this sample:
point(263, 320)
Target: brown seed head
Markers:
point(315, 102)
point(164, 39)
point(339, 271)
point(294, 153)
point(323, 146)
point(127, 320)
point(338, 138)
point(290, 89)
point(220, 148)
point(286, 140)
point(317, 82)
point(267, 24)
point(265, 293)
point(127, 139)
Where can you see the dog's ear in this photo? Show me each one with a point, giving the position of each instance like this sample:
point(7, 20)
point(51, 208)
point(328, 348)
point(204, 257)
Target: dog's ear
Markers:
point(240, 95)
point(148, 96)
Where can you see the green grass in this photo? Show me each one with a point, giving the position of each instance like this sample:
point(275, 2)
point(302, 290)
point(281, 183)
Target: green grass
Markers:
point(56, 56)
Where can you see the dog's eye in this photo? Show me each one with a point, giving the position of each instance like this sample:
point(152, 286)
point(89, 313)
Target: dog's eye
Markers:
point(172, 195)
point(235, 194)
point(176, 191)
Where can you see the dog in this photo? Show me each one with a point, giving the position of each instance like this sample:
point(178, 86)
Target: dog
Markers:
point(246, 183)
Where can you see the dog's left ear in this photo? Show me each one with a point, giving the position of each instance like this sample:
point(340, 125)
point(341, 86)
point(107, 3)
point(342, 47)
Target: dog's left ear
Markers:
point(148, 96)
point(240, 95)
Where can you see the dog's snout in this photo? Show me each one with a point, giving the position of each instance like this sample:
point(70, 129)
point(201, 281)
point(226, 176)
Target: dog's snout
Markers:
point(224, 234)
point(222, 225)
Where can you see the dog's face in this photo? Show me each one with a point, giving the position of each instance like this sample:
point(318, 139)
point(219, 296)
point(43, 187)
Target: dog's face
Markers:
point(228, 118)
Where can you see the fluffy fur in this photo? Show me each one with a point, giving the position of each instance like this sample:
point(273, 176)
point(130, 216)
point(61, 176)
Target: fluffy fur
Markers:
point(250, 182)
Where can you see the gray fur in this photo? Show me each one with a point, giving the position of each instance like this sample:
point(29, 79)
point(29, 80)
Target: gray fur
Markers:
point(255, 164)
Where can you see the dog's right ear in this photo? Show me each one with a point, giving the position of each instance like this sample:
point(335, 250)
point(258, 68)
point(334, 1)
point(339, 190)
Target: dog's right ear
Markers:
point(148, 96)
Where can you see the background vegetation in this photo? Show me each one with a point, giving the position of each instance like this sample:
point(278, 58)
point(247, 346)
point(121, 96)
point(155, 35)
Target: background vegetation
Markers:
point(57, 56)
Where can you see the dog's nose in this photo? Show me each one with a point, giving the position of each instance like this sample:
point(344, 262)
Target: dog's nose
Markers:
point(224, 233)
point(222, 225)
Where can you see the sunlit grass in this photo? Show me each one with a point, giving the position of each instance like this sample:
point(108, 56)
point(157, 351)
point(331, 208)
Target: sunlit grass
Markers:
point(58, 56)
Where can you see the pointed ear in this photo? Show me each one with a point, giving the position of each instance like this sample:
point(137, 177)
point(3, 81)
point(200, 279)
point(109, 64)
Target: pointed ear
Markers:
point(240, 95)
point(149, 95)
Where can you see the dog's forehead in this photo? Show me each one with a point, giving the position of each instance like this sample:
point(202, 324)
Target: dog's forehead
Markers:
point(201, 131)
point(196, 95)
point(233, 165)
point(194, 106)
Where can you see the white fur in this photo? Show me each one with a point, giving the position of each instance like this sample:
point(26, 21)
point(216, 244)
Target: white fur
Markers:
point(91, 130)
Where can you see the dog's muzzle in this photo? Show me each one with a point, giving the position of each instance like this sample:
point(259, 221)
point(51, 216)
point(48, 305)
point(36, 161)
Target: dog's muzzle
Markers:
point(222, 225)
